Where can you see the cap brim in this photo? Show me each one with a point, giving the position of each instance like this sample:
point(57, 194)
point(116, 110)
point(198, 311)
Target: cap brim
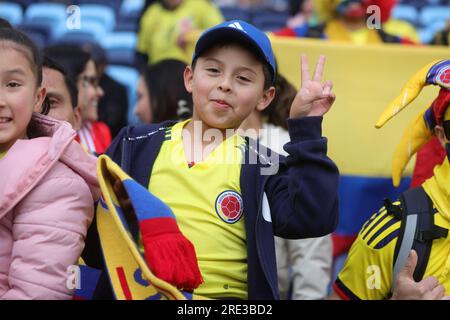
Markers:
point(212, 37)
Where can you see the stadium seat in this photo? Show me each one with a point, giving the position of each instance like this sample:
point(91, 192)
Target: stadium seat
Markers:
point(46, 10)
point(131, 7)
point(11, 12)
point(113, 4)
point(433, 14)
point(96, 28)
point(427, 34)
point(98, 13)
point(231, 13)
point(127, 76)
point(268, 21)
point(407, 13)
point(38, 38)
point(119, 39)
point(120, 47)
point(75, 37)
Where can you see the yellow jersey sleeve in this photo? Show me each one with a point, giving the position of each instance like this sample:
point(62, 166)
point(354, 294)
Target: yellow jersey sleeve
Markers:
point(368, 270)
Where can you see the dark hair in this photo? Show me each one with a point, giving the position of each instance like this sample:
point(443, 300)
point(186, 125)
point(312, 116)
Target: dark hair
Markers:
point(295, 6)
point(27, 47)
point(68, 80)
point(72, 58)
point(30, 51)
point(165, 83)
point(5, 24)
point(278, 110)
point(220, 43)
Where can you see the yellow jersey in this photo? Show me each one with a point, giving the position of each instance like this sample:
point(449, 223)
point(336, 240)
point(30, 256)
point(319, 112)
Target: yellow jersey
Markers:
point(368, 271)
point(161, 28)
point(206, 200)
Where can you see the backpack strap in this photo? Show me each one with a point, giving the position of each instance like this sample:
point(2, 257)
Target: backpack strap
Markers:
point(417, 231)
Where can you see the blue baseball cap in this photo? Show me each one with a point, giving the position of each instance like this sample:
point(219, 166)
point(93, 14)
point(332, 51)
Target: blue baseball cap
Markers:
point(242, 32)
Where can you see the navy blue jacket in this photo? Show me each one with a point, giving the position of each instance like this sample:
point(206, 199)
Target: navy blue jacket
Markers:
point(300, 201)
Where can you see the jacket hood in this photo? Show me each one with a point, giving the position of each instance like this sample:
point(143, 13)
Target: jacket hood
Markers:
point(28, 160)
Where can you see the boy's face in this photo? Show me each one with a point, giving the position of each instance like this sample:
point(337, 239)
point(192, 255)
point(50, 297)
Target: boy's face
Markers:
point(226, 86)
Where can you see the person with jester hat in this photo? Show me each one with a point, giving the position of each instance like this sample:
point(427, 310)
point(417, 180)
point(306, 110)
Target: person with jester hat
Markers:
point(402, 251)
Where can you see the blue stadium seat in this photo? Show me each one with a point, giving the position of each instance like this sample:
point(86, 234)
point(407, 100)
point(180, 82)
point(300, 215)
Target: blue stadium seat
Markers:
point(38, 38)
point(46, 10)
point(11, 12)
point(119, 40)
point(131, 7)
point(99, 13)
point(113, 4)
point(37, 27)
point(96, 28)
point(231, 13)
point(75, 37)
point(427, 34)
point(432, 14)
point(128, 77)
point(268, 21)
point(407, 13)
point(120, 47)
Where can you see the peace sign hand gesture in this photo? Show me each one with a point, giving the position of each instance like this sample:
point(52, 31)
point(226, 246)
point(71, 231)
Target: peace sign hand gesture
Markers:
point(314, 98)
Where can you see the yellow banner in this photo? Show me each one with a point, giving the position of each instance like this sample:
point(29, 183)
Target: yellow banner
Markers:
point(366, 79)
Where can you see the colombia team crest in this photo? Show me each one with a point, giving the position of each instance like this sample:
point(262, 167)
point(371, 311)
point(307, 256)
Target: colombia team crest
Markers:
point(443, 77)
point(229, 206)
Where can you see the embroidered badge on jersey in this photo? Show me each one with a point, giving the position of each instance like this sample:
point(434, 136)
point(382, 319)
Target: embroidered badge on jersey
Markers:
point(229, 206)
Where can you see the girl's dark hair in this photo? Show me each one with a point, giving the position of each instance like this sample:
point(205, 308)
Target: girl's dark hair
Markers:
point(169, 98)
point(5, 24)
point(72, 58)
point(278, 110)
point(27, 47)
point(22, 43)
point(68, 80)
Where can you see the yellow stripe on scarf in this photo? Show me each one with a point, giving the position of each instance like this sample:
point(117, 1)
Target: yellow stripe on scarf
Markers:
point(129, 274)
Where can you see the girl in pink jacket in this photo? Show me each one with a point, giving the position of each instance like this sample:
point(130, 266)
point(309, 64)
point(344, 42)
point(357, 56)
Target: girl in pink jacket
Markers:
point(47, 183)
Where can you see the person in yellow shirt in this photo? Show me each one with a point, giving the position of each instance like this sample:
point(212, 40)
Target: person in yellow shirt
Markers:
point(165, 24)
point(377, 266)
point(351, 21)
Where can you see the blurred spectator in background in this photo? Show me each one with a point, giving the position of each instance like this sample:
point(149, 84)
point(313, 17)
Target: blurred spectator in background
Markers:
point(442, 38)
point(346, 21)
point(62, 93)
point(94, 135)
point(162, 94)
point(301, 12)
point(113, 105)
point(164, 27)
point(303, 265)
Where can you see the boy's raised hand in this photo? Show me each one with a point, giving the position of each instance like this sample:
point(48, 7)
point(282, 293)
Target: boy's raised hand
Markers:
point(314, 97)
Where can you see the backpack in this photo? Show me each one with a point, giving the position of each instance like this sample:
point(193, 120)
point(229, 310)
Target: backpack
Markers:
point(417, 230)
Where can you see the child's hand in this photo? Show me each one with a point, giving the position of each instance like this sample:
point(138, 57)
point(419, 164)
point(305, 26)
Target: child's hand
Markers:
point(314, 98)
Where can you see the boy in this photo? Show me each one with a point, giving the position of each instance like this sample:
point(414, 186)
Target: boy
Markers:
point(223, 202)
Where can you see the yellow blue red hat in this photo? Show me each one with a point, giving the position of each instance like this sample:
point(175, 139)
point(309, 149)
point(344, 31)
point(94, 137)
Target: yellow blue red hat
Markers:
point(420, 130)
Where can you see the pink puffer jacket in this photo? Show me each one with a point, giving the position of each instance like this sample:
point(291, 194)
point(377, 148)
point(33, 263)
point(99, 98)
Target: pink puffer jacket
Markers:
point(47, 190)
